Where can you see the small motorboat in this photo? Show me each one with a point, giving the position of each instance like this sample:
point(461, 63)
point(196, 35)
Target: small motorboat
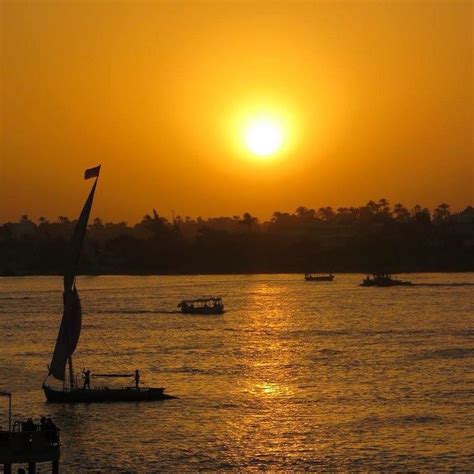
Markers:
point(383, 280)
point(310, 277)
point(210, 305)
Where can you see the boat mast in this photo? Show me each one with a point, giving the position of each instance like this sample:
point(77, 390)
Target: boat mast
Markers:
point(71, 372)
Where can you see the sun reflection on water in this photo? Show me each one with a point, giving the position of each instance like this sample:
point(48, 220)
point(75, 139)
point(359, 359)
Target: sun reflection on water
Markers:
point(270, 389)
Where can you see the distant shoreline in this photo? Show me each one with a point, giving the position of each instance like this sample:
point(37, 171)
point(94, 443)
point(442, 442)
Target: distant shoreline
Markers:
point(355, 272)
point(371, 238)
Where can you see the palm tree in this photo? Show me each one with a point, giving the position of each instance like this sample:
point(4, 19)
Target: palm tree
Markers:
point(384, 205)
point(248, 220)
point(275, 216)
point(304, 213)
point(97, 224)
point(401, 212)
point(372, 206)
point(442, 212)
point(354, 212)
point(325, 213)
point(421, 214)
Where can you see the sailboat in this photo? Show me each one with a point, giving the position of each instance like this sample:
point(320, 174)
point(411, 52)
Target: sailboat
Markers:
point(61, 367)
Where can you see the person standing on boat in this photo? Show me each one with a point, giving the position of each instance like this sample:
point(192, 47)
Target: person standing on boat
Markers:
point(87, 379)
point(137, 379)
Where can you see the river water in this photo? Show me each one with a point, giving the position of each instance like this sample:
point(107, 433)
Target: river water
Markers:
point(294, 376)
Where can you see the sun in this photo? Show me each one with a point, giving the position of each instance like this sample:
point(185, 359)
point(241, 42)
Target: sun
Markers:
point(263, 136)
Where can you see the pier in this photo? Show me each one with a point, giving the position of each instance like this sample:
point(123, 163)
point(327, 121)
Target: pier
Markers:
point(28, 443)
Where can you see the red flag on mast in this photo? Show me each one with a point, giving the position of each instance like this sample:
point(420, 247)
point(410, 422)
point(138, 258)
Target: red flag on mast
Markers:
point(92, 172)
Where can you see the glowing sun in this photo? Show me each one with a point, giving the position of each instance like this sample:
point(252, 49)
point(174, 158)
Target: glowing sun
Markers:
point(264, 136)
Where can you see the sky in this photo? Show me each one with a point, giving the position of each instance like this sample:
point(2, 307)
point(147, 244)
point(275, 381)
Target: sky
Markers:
point(373, 99)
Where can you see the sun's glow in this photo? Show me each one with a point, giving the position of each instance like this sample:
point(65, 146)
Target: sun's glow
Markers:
point(263, 136)
point(263, 131)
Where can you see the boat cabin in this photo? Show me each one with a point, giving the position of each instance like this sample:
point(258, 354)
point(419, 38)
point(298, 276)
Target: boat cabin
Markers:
point(210, 305)
point(383, 279)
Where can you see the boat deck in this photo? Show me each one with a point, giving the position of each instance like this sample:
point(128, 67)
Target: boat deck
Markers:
point(105, 395)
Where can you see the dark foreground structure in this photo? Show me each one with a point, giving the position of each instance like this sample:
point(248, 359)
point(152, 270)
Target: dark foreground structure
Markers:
point(28, 443)
point(29, 447)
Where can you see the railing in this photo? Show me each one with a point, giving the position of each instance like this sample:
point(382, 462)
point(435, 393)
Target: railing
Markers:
point(9, 395)
point(28, 446)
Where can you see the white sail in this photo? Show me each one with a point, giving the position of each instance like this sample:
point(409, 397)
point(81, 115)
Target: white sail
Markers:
point(70, 329)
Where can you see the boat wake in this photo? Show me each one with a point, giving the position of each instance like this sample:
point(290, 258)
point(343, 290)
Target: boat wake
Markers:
point(444, 284)
point(445, 353)
point(16, 298)
point(136, 311)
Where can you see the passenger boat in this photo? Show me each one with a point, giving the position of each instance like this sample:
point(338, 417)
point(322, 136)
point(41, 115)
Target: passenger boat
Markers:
point(310, 277)
point(383, 279)
point(70, 330)
point(210, 305)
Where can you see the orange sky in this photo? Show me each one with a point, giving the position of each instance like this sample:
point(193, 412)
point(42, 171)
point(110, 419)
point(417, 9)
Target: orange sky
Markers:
point(378, 96)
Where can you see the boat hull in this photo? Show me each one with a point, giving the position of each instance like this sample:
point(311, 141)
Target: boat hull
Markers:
point(205, 311)
point(320, 278)
point(384, 284)
point(104, 395)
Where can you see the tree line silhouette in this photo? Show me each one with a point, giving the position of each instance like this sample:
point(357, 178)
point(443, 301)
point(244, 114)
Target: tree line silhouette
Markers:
point(373, 237)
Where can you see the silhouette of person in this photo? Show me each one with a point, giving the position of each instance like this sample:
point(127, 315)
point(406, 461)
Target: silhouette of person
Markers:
point(137, 379)
point(43, 424)
point(52, 429)
point(29, 425)
point(50, 426)
point(87, 378)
